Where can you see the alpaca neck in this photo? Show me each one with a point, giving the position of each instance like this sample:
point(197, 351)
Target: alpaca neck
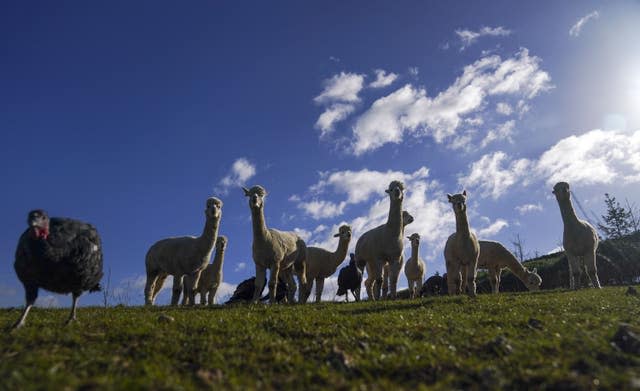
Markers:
point(568, 213)
point(516, 267)
point(259, 225)
point(217, 261)
point(462, 224)
point(394, 221)
point(414, 253)
point(209, 234)
point(341, 252)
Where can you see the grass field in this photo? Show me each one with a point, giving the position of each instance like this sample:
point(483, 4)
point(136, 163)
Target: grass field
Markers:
point(550, 339)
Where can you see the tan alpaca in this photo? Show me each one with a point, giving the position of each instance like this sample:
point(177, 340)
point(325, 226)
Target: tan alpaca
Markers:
point(494, 257)
point(322, 263)
point(461, 250)
point(386, 272)
point(382, 245)
point(415, 268)
point(186, 255)
point(275, 250)
point(579, 239)
point(210, 278)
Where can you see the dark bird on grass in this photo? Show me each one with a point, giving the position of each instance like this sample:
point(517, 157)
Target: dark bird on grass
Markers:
point(60, 255)
point(245, 290)
point(350, 279)
point(433, 286)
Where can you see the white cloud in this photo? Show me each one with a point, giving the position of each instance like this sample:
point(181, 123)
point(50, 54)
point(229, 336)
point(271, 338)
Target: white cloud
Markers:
point(595, 157)
point(413, 71)
point(492, 229)
point(48, 301)
point(224, 292)
point(493, 174)
point(383, 79)
point(468, 37)
point(527, 208)
point(504, 108)
point(320, 209)
point(332, 115)
point(303, 233)
point(502, 132)
point(410, 110)
point(241, 171)
point(577, 28)
point(240, 266)
point(341, 88)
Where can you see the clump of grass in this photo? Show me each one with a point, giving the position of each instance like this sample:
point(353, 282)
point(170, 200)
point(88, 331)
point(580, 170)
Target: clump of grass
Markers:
point(556, 339)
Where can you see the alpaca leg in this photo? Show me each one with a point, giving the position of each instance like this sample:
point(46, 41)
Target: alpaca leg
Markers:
point(149, 288)
point(261, 272)
point(418, 288)
point(412, 289)
point(394, 274)
point(592, 269)
point(575, 271)
point(177, 289)
point(273, 283)
point(186, 282)
point(31, 293)
point(319, 288)
point(471, 272)
point(74, 304)
point(291, 286)
point(453, 278)
point(494, 280)
point(158, 286)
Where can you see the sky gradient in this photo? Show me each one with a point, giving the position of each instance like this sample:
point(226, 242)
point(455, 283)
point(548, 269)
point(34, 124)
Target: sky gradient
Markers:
point(130, 115)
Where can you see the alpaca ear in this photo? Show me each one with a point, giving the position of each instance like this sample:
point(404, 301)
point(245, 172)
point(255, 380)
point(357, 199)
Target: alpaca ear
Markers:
point(246, 191)
point(387, 191)
point(464, 193)
point(336, 235)
point(449, 196)
point(409, 237)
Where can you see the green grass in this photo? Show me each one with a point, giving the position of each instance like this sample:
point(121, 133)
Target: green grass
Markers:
point(439, 343)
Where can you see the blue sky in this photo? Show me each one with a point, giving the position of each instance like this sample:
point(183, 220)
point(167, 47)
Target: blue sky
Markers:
point(129, 115)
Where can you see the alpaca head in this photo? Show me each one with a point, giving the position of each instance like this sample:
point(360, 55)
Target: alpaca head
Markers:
point(256, 196)
point(396, 190)
point(221, 243)
point(561, 191)
point(344, 233)
point(459, 202)
point(533, 280)
point(213, 209)
point(406, 218)
point(38, 221)
point(414, 239)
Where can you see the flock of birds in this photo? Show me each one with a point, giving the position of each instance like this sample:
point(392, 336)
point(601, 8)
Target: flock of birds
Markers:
point(64, 255)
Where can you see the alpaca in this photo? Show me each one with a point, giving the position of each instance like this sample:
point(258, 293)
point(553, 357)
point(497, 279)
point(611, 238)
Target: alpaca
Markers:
point(386, 272)
point(209, 279)
point(495, 257)
point(383, 244)
point(277, 250)
point(322, 263)
point(180, 256)
point(461, 250)
point(60, 255)
point(415, 268)
point(579, 239)
point(350, 279)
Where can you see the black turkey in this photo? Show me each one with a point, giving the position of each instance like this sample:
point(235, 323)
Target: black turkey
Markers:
point(350, 279)
point(60, 255)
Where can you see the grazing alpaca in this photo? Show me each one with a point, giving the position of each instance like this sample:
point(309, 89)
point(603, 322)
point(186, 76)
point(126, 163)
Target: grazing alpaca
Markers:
point(60, 255)
point(277, 250)
point(322, 263)
point(415, 267)
point(461, 250)
point(210, 278)
point(350, 279)
point(383, 244)
point(579, 239)
point(180, 256)
point(495, 257)
point(245, 290)
point(386, 272)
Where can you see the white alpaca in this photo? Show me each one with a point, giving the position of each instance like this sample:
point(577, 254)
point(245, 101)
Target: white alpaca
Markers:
point(322, 263)
point(210, 278)
point(382, 245)
point(386, 272)
point(579, 239)
point(276, 250)
point(415, 267)
point(461, 250)
point(495, 257)
point(180, 256)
